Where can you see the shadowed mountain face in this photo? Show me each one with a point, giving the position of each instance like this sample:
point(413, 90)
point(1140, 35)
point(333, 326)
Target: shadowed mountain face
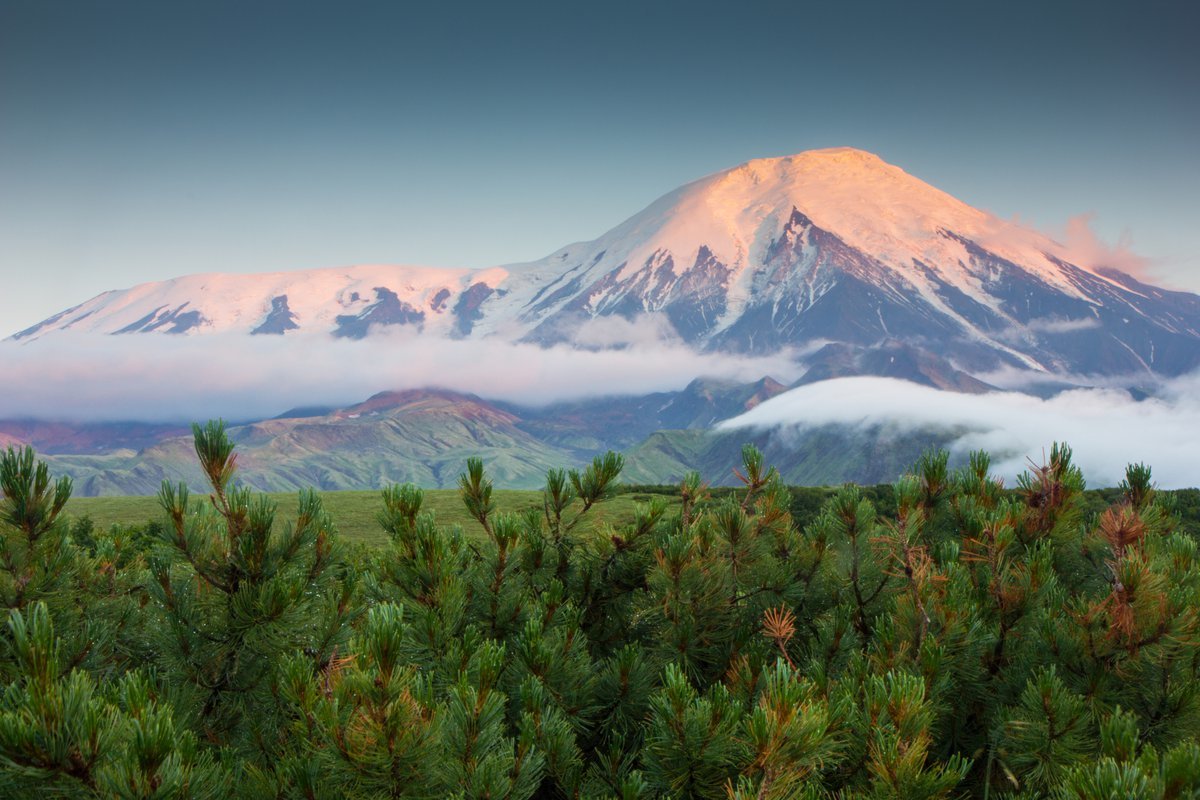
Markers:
point(829, 247)
point(890, 359)
point(279, 320)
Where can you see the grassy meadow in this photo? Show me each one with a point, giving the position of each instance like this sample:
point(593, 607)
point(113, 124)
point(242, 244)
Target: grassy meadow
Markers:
point(354, 512)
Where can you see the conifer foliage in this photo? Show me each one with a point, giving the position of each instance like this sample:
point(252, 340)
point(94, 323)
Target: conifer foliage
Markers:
point(976, 641)
point(236, 593)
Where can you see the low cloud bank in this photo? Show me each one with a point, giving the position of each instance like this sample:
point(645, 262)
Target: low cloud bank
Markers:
point(1107, 428)
point(85, 377)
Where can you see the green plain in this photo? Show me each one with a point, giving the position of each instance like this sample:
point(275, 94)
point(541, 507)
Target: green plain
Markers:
point(354, 513)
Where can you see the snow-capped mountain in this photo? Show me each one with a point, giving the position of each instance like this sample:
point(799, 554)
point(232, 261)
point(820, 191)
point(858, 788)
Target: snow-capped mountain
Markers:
point(825, 249)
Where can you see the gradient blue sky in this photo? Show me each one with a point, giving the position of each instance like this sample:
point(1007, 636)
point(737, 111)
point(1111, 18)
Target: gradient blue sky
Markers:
point(144, 140)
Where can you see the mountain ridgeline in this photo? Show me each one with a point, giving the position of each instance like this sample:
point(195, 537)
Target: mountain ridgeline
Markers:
point(425, 436)
point(833, 259)
point(832, 251)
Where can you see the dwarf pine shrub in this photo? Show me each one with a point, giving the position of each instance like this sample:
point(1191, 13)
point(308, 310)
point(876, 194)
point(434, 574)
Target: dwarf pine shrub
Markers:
point(967, 640)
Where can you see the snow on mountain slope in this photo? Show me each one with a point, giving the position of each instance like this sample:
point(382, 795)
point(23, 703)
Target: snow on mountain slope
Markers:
point(870, 205)
point(825, 246)
point(343, 301)
point(837, 245)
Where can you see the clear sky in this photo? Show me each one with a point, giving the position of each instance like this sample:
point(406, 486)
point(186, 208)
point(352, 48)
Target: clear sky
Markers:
point(140, 140)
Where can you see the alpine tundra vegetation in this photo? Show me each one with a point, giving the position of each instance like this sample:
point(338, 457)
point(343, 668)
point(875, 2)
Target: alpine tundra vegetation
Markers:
point(968, 640)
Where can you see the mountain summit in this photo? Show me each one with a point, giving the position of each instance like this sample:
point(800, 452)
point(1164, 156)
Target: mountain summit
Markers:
point(825, 249)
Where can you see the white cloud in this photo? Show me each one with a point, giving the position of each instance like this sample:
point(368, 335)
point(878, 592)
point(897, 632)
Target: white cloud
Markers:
point(1085, 248)
point(608, 332)
point(1075, 242)
point(179, 378)
point(1107, 428)
point(1059, 325)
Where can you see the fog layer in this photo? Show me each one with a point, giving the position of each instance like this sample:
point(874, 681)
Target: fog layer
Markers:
point(1107, 427)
